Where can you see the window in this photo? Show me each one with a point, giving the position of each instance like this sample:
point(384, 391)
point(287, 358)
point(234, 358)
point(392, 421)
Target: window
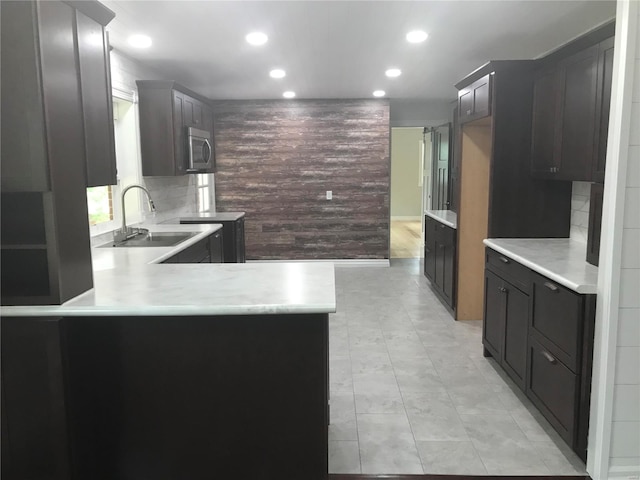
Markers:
point(100, 204)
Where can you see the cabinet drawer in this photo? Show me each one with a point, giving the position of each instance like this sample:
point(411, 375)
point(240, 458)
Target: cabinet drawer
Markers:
point(554, 389)
point(557, 319)
point(444, 234)
point(513, 271)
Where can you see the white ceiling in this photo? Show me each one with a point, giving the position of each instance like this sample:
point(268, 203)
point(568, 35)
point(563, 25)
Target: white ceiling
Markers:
point(340, 49)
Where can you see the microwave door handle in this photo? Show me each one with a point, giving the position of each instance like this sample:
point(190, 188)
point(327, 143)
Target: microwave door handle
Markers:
point(206, 142)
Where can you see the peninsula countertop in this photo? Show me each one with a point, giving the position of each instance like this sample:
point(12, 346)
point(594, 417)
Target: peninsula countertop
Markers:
point(560, 259)
point(208, 217)
point(448, 217)
point(132, 281)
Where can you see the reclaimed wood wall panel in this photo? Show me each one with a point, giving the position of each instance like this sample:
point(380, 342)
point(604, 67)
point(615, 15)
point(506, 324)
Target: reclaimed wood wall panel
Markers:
point(277, 159)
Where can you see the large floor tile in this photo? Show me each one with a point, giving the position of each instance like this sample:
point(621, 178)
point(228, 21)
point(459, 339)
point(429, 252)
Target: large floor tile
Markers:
point(508, 458)
point(450, 458)
point(387, 402)
point(460, 374)
point(559, 459)
point(342, 422)
point(387, 445)
point(475, 399)
point(366, 383)
point(437, 427)
point(494, 430)
point(344, 457)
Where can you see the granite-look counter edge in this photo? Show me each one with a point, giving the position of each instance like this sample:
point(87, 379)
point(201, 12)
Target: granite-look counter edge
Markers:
point(560, 259)
point(447, 217)
point(131, 281)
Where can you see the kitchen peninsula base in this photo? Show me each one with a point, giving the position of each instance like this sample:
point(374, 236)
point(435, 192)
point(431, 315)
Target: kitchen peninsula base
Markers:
point(193, 397)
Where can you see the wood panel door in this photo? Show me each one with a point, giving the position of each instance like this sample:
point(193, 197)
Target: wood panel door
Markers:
point(440, 142)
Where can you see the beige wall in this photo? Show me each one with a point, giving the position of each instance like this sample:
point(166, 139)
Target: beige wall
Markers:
point(406, 192)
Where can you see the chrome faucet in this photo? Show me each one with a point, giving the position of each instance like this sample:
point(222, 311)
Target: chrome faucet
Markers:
point(125, 232)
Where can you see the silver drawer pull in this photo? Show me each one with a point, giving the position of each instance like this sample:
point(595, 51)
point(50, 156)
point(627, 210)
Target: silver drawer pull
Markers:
point(504, 259)
point(549, 357)
point(551, 287)
point(502, 289)
point(442, 226)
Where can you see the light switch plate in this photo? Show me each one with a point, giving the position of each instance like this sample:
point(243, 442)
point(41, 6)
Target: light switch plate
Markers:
point(329, 194)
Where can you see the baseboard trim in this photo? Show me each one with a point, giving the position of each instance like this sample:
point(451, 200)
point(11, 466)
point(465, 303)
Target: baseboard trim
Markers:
point(624, 471)
point(405, 218)
point(341, 262)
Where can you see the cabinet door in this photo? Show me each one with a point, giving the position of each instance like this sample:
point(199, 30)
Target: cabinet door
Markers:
point(545, 104)
point(603, 106)
point(465, 104)
point(514, 358)
point(429, 248)
point(216, 247)
point(97, 104)
point(482, 97)
point(595, 223)
point(494, 315)
point(180, 145)
point(579, 80)
point(240, 255)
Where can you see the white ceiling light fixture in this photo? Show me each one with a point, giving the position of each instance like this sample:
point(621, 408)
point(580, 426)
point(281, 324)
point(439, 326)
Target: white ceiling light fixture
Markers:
point(379, 93)
point(417, 36)
point(393, 72)
point(289, 94)
point(277, 73)
point(139, 41)
point(256, 38)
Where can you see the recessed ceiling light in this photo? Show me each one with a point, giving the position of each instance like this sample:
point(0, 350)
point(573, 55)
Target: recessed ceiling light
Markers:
point(289, 94)
point(139, 41)
point(393, 72)
point(256, 38)
point(379, 93)
point(417, 36)
point(277, 73)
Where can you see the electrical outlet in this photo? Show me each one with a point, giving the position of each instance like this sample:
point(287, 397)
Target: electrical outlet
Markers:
point(329, 194)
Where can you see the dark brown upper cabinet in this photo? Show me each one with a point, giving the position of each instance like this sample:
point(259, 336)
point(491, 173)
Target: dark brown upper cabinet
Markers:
point(56, 93)
point(166, 110)
point(97, 105)
point(571, 115)
point(474, 101)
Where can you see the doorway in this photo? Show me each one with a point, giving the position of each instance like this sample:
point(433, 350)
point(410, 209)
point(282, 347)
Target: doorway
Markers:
point(410, 180)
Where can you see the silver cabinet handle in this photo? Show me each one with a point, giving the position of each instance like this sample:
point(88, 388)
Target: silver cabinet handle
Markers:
point(551, 287)
point(442, 226)
point(549, 357)
point(504, 260)
point(502, 289)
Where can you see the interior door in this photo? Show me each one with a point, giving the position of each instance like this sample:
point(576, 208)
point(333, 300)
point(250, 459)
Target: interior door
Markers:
point(440, 160)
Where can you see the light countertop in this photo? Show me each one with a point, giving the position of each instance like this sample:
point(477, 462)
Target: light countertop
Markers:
point(209, 217)
point(132, 281)
point(560, 259)
point(448, 217)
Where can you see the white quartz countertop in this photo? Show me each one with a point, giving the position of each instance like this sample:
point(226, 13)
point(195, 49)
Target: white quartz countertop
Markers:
point(209, 217)
point(132, 281)
point(448, 217)
point(560, 259)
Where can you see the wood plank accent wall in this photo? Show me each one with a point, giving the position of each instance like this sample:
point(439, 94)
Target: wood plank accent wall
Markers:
point(276, 160)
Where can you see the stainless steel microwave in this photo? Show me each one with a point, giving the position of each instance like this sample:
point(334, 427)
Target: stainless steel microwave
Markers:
point(200, 150)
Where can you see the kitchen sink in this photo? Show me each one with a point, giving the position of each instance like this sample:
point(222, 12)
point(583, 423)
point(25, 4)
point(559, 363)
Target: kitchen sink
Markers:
point(152, 239)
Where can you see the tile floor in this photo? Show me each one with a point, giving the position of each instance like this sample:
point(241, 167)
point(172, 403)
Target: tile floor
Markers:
point(412, 393)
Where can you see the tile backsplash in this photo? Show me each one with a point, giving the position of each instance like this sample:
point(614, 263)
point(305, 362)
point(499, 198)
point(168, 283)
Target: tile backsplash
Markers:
point(580, 211)
point(178, 196)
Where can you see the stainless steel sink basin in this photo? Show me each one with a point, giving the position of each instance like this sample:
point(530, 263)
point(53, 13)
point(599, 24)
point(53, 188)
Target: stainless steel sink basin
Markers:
point(153, 239)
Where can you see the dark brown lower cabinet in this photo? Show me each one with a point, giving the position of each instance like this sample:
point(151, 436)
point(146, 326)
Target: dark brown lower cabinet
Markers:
point(165, 397)
point(440, 259)
point(541, 334)
point(232, 234)
point(208, 250)
point(35, 441)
